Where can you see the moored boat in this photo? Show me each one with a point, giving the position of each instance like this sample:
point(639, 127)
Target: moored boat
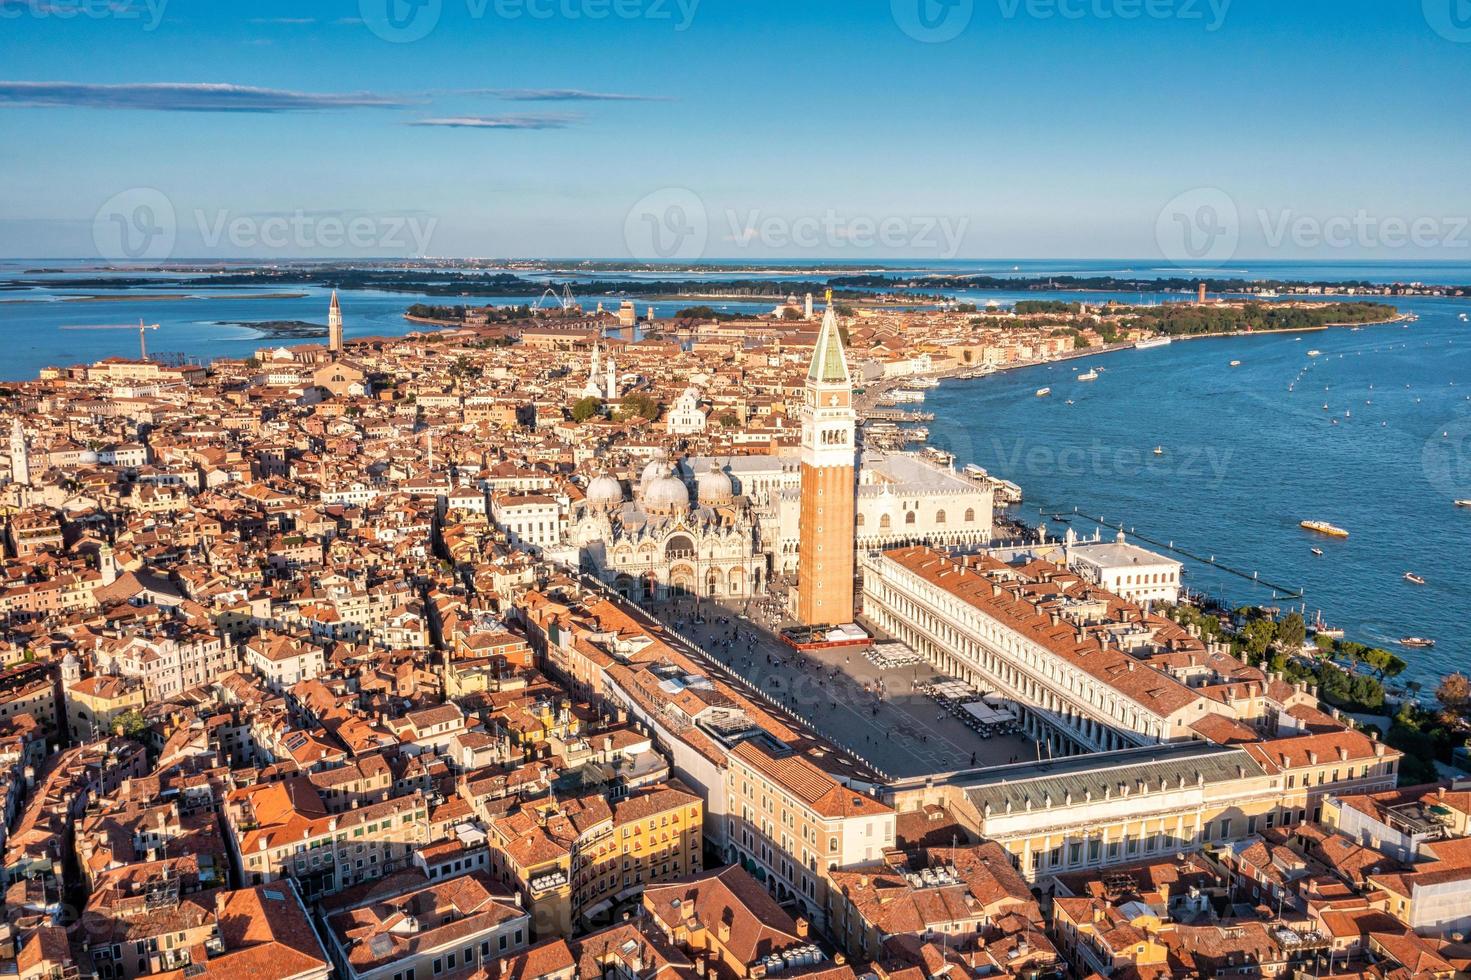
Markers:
point(1323, 527)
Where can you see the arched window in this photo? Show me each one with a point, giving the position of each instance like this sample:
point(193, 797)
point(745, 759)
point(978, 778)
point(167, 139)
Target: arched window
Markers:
point(970, 515)
point(885, 523)
point(939, 517)
point(860, 520)
point(909, 518)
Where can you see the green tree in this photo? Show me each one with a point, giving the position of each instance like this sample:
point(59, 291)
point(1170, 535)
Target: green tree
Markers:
point(586, 408)
point(639, 404)
point(131, 724)
point(1258, 636)
point(1293, 632)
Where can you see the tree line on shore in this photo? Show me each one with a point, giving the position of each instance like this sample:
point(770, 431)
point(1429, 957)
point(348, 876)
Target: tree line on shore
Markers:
point(1349, 676)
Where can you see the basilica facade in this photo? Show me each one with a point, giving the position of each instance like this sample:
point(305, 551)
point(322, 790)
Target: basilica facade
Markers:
point(655, 542)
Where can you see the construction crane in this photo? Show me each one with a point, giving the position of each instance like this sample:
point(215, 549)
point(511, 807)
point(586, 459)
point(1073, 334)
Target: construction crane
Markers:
point(142, 329)
point(143, 338)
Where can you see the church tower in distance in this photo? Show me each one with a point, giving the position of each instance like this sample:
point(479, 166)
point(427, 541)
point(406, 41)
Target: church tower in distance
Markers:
point(334, 326)
point(826, 556)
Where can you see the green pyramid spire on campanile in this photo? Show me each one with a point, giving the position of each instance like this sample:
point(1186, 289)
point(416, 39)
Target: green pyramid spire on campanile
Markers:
point(829, 362)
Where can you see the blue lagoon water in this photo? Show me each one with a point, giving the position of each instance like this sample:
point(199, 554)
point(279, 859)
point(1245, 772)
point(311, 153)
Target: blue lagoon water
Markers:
point(1252, 451)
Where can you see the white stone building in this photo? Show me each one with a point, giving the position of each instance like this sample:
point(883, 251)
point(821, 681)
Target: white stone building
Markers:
point(1126, 570)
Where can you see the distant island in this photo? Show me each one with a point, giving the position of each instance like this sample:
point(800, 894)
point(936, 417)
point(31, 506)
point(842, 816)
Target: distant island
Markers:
point(280, 329)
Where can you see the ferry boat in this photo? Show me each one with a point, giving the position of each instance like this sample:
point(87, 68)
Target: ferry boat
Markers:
point(924, 383)
point(1414, 579)
point(1154, 342)
point(1090, 376)
point(975, 472)
point(1417, 643)
point(1323, 527)
point(1043, 392)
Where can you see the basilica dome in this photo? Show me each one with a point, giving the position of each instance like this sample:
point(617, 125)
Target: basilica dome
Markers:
point(655, 468)
point(604, 491)
point(715, 486)
point(666, 493)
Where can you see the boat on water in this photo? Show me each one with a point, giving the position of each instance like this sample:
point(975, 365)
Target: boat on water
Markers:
point(1071, 402)
point(925, 383)
point(1417, 643)
point(1464, 318)
point(1235, 363)
point(1043, 392)
point(1315, 353)
point(1159, 450)
point(1463, 503)
point(1414, 579)
point(1323, 527)
point(1318, 552)
point(1089, 376)
point(1321, 628)
point(1154, 342)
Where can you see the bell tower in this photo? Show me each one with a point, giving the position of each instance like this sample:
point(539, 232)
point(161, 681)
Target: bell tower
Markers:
point(20, 460)
point(334, 326)
point(826, 549)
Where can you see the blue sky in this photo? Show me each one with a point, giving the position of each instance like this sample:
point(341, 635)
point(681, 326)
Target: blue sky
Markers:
point(741, 128)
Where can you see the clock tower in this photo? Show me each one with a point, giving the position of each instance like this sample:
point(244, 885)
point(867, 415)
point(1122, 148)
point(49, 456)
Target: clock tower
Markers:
point(826, 549)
